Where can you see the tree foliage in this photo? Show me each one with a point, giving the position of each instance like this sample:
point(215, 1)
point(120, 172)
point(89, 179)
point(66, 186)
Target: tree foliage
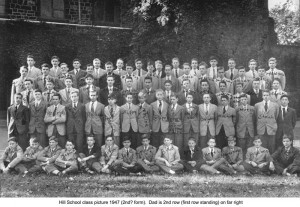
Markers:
point(286, 23)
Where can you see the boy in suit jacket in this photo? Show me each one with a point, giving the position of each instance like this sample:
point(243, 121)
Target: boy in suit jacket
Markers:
point(246, 82)
point(232, 73)
point(169, 76)
point(18, 121)
point(64, 74)
point(286, 120)
point(202, 75)
point(265, 82)
point(18, 85)
point(129, 89)
point(49, 93)
point(185, 91)
point(37, 127)
point(284, 159)
point(85, 90)
point(55, 71)
point(128, 119)
point(28, 163)
point(94, 118)
point(11, 156)
point(66, 92)
point(129, 73)
point(159, 72)
point(144, 118)
point(204, 90)
point(103, 82)
point(168, 157)
point(146, 155)
point(77, 72)
point(226, 117)
point(221, 77)
point(149, 91)
point(208, 118)
point(56, 118)
point(40, 82)
point(168, 92)
point(139, 72)
point(212, 71)
point(33, 72)
point(28, 94)
point(186, 75)
point(252, 73)
point(175, 116)
point(76, 117)
point(245, 124)
point(192, 159)
point(119, 70)
point(273, 72)
point(257, 158)
point(98, 71)
point(49, 154)
point(105, 92)
point(213, 158)
point(267, 113)
point(177, 72)
point(127, 159)
point(160, 122)
point(112, 119)
point(233, 155)
point(255, 93)
point(276, 92)
point(88, 159)
point(190, 120)
point(194, 68)
point(109, 154)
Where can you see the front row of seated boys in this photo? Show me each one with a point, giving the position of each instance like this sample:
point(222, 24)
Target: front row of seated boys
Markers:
point(145, 159)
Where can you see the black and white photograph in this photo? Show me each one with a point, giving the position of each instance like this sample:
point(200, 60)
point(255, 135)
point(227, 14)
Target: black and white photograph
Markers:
point(150, 102)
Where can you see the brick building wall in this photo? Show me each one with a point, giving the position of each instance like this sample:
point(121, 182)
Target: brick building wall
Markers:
point(22, 9)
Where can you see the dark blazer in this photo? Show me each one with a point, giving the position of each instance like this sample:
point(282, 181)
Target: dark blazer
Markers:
point(150, 97)
point(78, 76)
point(279, 156)
point(182, 99)
point(37, 115)
point(75, 118)
point(255, 98)
point(96, 151)
point(18, 120)
point(102, 81)
point(104, 96)
point(287, 124)
point(197, 156)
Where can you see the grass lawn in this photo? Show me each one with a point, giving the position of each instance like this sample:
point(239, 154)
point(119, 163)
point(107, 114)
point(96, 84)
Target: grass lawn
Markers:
point(150, 186)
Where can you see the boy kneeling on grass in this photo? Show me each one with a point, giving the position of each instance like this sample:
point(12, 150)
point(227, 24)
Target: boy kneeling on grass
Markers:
point(66, 161)
point(127, 160)
point(257, 158)
point(213, 158)
point(88, 159)
point(29, 163)
point(11, 157)
point(168, 157)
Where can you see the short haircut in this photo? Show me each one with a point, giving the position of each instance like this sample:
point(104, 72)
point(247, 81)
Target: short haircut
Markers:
point(186, 79)
point(109, 136)
point(222, 82)
point(96, 59)
point(277, 79)
point(76, 59)
point(186, 64)
point(120, 59)
point(24, 67)
point(256, 79)
point(63, 64)
point(241, 68)
point(58, 95)
point(238, 84)
point(159, 91)
point(190, 94)
point(128, 93)
point(225, 96)
point(75, 92)
point(50, 80)
point(266, 91)
point(192, 139)
point(243, 96)
point(203, 64)
point(213, 58)
point(45, 65)
point(158, 62)
point(110, 76)
point(220, 68)
point(28, 79)
point(150, 62)
point(30, 56)
point(55, 57)
point(128, 78)
point(272, 59)
point(109, 63)
point(37, 91)
point(204, 81)
point(252, 60)
point(231, 59)
point(287, 136)
point(89, 65)
point(69, 78)
point(194, 59)
point(148, 78)
point(90, 136)
point(174, 95)
point(138, 60)
point(260, 67)
point(168, 66)
point(129, 64)
point(19, 94)
point(284, 96)
point(168, 81)
point(175, 58)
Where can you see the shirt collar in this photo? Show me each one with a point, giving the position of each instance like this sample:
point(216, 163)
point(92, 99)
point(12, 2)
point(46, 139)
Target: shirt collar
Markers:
point(90, 147)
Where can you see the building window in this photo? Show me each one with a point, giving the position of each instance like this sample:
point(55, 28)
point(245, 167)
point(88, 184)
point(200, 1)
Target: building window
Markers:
point(52, 9)
point(106, 12)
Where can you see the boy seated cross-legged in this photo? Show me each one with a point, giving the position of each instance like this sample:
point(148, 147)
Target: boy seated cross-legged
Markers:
point(109, 154)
